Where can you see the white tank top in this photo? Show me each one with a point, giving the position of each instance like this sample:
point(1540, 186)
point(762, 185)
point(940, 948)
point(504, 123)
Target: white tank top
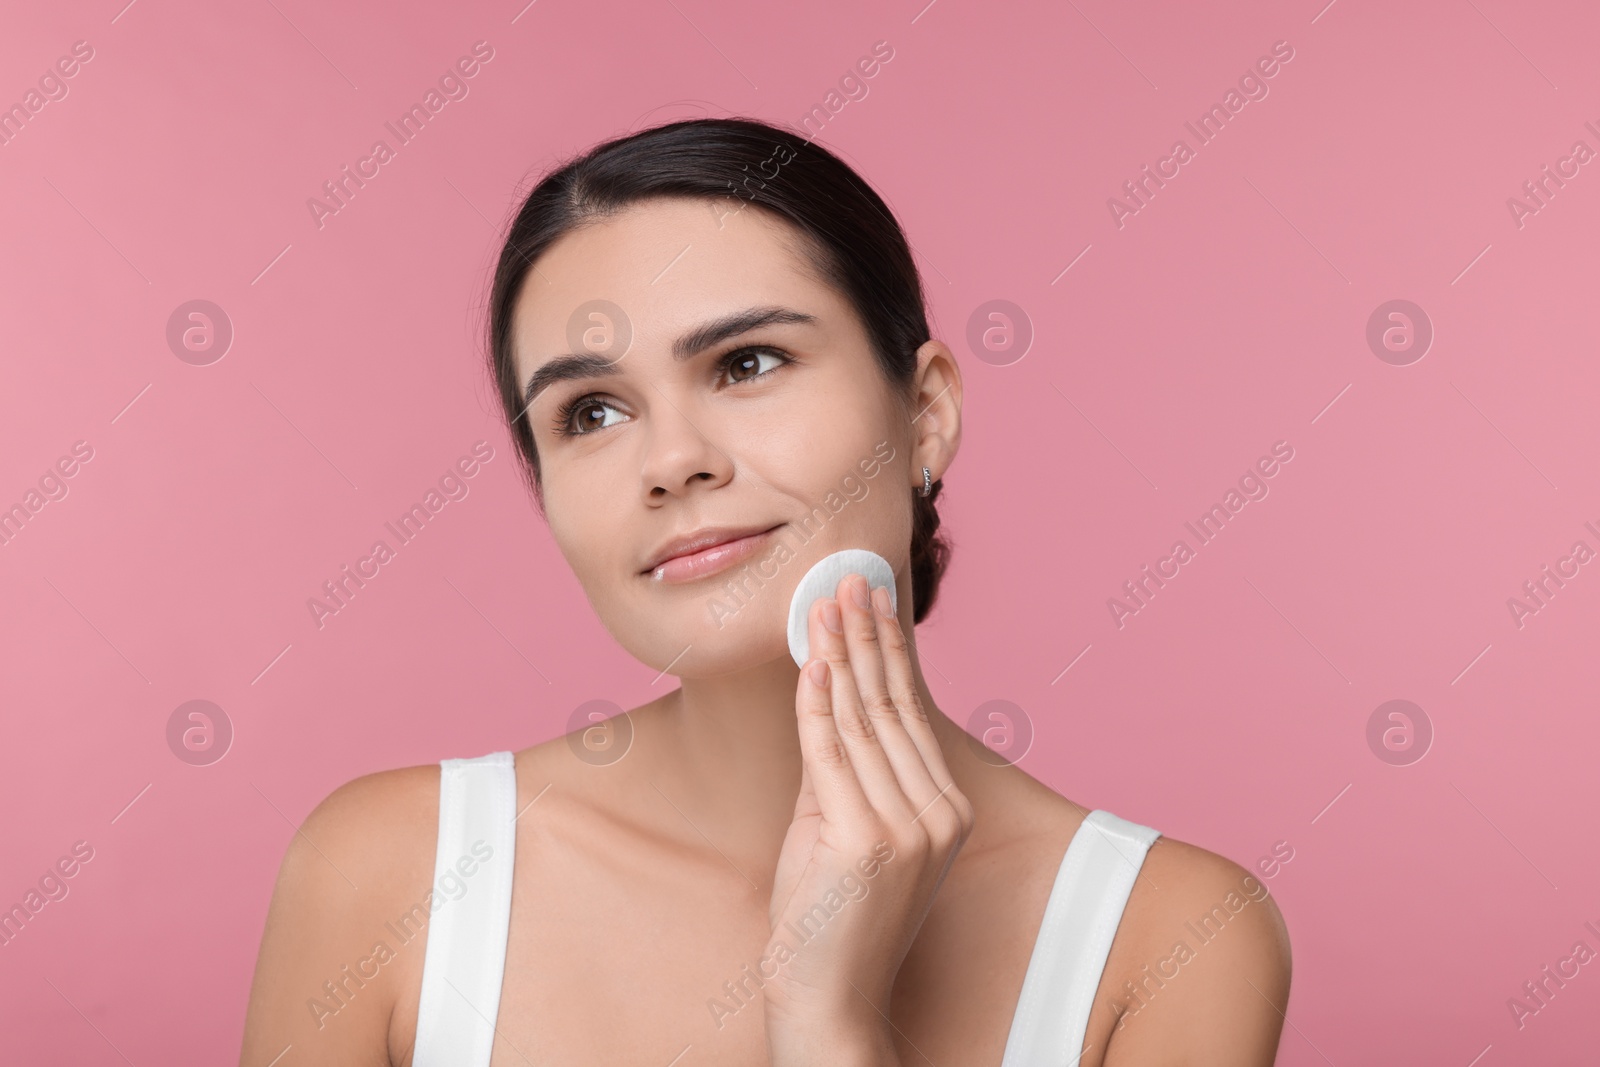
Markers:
point(464, 961)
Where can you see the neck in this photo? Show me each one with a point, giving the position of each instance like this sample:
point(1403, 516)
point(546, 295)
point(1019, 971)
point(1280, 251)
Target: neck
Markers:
point(726, 753)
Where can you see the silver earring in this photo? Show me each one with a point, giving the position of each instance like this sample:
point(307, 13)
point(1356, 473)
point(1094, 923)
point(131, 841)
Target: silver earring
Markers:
point(927, 481)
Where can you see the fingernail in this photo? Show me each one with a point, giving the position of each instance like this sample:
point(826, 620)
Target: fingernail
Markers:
point(818, 673)
point(880, 597)
point(830, 616)
point(858, 589)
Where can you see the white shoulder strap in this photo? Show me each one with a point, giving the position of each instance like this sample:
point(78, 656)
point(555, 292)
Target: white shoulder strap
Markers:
point(1080, 919)
point(469, 912)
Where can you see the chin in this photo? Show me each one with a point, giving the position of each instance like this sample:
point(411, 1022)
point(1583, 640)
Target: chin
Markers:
point(724, 657)
point(699, 642)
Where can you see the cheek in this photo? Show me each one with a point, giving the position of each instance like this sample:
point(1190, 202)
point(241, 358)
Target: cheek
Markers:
point(831, 431)
point(586, 525)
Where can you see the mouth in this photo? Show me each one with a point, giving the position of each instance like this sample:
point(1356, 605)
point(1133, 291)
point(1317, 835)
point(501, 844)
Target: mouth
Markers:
point(704, 560)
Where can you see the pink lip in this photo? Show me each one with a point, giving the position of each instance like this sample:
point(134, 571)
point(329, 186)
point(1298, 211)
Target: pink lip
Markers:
point(708, 561)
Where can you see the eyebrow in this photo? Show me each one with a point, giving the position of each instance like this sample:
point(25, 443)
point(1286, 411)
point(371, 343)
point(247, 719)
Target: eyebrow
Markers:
point(697, 340)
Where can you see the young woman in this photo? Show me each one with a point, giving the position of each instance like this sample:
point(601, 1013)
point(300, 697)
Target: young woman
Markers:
point(711, 345)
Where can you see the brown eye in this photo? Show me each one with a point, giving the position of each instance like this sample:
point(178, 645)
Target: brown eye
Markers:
point(591, 414)
point(745, 364)
point(583, 415)
point(745, 367)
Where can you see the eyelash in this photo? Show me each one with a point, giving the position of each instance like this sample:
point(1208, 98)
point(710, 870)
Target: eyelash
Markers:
point(563, 419)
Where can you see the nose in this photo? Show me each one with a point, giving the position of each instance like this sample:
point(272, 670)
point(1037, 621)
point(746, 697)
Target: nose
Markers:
point(678, 453)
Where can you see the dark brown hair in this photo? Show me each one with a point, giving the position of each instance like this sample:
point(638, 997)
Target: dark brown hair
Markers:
point(853, 240)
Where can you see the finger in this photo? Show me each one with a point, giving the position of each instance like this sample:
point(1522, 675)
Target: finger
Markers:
point(901, 681)
point(869, 649)
point(856, 730)
point(824, 760)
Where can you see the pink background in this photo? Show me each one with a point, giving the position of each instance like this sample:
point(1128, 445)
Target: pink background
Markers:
point(1228, 314)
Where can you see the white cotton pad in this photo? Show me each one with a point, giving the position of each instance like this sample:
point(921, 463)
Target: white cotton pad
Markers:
point(822, 580)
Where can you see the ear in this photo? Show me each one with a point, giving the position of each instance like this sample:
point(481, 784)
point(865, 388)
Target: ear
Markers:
point(936, 412)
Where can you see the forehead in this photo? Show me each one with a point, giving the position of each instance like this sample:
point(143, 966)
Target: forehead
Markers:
point(668, 264)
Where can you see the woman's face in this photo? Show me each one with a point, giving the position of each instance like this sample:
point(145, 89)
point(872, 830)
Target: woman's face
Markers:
point(781, 422)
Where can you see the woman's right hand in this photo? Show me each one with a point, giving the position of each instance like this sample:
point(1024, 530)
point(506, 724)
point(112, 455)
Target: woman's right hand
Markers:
point(877, 823)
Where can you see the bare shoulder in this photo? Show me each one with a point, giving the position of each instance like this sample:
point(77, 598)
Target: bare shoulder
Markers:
point(331, 966)
point(1199, 971)
point(373, 836)
point(375, 815)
